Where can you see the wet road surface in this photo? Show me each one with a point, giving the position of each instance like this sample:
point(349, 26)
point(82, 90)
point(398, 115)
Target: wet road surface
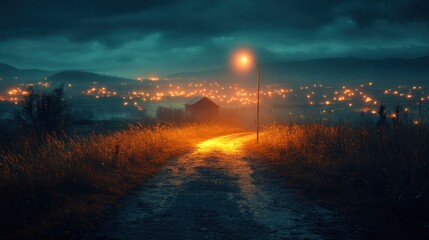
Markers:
point(215, 193)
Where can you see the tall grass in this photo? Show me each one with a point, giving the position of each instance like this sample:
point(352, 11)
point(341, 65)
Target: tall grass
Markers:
point(54, 188)
point(384, 170)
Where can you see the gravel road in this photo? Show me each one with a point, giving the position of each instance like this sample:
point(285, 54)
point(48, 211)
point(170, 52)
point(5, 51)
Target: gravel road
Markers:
point(215, 193)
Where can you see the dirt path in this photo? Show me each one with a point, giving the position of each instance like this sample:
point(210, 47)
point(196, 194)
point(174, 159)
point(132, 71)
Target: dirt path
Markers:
point(214, 193)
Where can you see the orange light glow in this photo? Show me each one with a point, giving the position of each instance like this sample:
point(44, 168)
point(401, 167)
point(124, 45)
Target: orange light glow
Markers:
point(153, 78)
point(241, 59)
point(229, 144)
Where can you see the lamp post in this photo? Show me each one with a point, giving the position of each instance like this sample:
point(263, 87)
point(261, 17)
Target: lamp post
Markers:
point(257, 103)
point(245, 59)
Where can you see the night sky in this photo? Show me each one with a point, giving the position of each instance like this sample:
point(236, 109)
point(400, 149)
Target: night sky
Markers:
point(135, 37)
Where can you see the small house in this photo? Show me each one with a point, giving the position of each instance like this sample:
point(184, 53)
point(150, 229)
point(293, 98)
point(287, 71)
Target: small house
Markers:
point(203, 109)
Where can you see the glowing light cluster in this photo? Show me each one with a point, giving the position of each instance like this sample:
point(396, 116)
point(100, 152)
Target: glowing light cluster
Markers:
point(242, 59)
point(325, 99)
point(100, 92)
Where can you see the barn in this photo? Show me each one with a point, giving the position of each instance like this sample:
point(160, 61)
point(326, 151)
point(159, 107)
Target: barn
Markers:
point(203, 109)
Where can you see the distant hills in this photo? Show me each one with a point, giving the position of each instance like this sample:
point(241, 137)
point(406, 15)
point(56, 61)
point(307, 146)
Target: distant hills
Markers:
point(328, 70)
point(332, 70)
point(8, 72)
point(84, 77)
point(11, 76)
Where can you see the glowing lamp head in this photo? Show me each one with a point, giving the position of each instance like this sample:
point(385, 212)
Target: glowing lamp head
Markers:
point(241, 59)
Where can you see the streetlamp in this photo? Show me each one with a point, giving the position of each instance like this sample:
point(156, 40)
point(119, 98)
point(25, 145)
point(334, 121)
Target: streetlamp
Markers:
point(245, 60)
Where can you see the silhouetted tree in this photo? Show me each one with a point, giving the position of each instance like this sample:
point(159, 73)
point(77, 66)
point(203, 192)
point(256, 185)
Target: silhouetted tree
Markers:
point(43, 113)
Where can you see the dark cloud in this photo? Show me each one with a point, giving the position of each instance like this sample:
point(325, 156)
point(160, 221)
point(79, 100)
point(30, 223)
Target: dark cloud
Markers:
point(50, 17)
point(83, 20)
point(143, 32)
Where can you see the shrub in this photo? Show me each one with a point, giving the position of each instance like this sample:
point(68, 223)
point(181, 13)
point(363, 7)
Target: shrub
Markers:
point(43, 113)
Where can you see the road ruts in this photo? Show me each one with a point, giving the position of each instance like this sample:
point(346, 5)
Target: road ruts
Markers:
point(214, 193)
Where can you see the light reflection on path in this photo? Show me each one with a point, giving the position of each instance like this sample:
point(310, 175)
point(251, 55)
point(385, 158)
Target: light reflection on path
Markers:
point(214, 193)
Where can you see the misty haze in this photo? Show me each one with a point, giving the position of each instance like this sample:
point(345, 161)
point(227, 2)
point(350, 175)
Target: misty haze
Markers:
point(214, 120)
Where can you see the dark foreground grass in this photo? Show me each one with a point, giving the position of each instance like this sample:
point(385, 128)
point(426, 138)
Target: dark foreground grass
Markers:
point(57, 189)
point(377, 177)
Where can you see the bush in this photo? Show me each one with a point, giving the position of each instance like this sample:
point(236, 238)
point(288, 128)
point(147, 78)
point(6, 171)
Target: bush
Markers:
point(43, 113)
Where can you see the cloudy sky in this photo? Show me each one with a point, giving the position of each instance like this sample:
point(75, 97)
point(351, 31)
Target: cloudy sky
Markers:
point(142, 37)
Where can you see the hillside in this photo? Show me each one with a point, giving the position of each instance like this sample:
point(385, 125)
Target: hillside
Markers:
point(331, 70)
point(11, 76)
point(7, 70)
point(84, 77)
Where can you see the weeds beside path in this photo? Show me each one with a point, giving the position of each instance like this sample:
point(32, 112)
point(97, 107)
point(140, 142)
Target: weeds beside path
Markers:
point(377, 177)
point(57, 189)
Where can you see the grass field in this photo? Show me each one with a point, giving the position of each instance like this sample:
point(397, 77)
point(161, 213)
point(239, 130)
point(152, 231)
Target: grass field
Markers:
point(59, 188)
point(380, 175)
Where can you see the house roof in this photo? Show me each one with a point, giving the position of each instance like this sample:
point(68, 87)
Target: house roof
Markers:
point(204, 103)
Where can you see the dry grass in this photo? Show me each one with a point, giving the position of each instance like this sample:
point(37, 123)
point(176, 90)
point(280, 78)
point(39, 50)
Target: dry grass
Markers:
point(382, 172)
point(53, 189)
